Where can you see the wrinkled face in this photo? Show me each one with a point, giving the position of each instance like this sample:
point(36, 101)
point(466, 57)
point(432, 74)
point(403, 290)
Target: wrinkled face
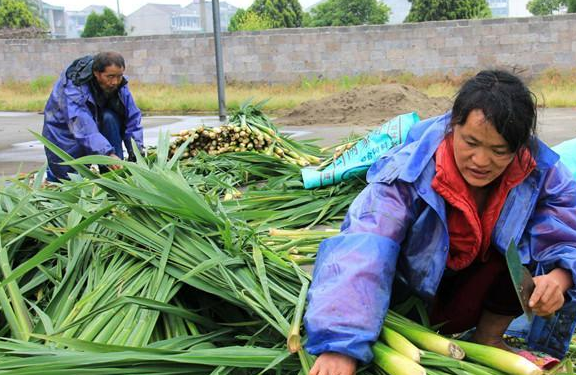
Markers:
point(481, 153)
point(110, 78)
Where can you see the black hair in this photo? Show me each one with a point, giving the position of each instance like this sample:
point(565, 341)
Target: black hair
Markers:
point(506, 102)
point(103, 60)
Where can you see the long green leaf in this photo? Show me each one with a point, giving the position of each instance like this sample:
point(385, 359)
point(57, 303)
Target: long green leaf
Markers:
point(47, 251)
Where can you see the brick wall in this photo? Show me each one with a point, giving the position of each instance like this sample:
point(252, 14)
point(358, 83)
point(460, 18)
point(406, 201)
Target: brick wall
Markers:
point(286, 55)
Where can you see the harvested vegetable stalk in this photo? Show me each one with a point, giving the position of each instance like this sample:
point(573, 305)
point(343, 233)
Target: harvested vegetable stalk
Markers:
point(423, 337)
point(395, 363)
point(399, 343)
point(499, 359)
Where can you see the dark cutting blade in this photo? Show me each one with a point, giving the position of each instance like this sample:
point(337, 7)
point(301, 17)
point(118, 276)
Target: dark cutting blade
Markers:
point(521, 278)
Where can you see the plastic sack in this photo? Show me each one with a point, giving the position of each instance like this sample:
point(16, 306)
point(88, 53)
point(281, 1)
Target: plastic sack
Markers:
point(567, 152)
point(357, 160)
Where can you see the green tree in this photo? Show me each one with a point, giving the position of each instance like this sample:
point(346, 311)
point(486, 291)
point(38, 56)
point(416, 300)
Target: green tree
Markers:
point(571, 6)
point(35, 8)
point(441, 10)
point(349, 12)
point(544, 7)
point(236, 20)
point(249, 21)
point(15, 14)
point(283, 13)
point(306, 20)
point(105, 24)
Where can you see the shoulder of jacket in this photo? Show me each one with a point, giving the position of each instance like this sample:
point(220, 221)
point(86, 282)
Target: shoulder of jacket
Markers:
point(389, 167)
point(78, 94)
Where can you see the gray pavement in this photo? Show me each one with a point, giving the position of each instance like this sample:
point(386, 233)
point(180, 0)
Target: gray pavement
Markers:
point(21, 152)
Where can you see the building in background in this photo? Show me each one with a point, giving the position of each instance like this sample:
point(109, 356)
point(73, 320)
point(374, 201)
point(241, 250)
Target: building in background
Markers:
point(161, 19)
point(508, 8)
point(55, 17)
point(499, 8)
point(226, 13)
point(76, 21)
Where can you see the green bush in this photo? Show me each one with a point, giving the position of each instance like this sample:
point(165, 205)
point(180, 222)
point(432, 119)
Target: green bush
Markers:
point(42, 83)
point(16, 15)
point(442, 10)
point(105, 24)
point(249, 21)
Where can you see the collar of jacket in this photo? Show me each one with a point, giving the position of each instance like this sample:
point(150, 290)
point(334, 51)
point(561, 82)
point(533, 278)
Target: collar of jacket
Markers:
point(85, 92)
point(407, 161)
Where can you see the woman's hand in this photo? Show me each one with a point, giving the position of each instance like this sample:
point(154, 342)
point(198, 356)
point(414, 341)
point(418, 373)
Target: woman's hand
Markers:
point(548, 296)
point(334, 364)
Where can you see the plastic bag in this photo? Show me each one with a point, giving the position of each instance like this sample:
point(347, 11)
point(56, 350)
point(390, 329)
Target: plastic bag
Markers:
point(357, 160)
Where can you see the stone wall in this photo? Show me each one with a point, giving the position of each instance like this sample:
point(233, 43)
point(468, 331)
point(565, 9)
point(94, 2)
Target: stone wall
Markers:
point(286, 55)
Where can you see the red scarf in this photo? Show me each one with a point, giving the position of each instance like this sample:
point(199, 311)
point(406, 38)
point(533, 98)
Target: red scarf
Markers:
point(469, 232)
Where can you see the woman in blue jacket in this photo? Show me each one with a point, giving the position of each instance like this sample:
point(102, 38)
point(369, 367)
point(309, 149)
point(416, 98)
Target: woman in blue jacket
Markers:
point(437, 216)
point(91, 112)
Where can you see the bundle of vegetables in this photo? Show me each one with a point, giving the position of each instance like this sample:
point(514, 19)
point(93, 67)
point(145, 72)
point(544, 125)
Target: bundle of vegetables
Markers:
point(227, 138)
point(151, 271)
point(248, 129)
point(407, 348)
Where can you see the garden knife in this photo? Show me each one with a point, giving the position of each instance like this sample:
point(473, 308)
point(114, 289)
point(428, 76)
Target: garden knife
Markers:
point(521, 278)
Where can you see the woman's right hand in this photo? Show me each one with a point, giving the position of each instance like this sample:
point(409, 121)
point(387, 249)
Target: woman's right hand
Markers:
point(334, 364)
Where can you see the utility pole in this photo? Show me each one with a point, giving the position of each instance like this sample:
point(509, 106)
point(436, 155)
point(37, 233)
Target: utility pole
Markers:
point(118, 8)
point(219, 61)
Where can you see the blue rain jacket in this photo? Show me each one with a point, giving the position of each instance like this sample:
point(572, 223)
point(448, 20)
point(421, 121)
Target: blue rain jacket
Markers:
point(397, 226)
point(70, 119)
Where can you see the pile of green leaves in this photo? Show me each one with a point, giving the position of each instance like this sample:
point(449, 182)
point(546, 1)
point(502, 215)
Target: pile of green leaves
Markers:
point(163, 267)
point(166, 266)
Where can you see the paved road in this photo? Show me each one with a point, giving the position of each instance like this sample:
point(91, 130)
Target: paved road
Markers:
point(19, 151)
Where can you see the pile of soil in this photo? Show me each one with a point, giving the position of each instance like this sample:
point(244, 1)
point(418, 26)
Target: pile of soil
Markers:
point(365, 106)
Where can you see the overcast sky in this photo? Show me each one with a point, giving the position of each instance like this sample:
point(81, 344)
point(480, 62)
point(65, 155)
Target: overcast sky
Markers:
point(129, 6)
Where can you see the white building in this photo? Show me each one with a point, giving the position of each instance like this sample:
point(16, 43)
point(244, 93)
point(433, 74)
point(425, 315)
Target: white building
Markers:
point(56, 19)
point(499, 8)
point(508, 8)
point(162, 19)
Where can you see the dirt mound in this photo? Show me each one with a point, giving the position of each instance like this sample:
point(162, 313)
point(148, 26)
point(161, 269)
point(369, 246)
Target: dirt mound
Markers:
point(368, 106)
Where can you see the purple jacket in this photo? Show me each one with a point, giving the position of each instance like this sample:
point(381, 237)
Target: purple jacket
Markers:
point(70, 120)
point(397, 225)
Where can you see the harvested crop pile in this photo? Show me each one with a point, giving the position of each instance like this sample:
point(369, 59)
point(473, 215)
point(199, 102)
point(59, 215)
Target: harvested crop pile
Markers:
point(247, 130)
point(369, 106)
point(152, 269)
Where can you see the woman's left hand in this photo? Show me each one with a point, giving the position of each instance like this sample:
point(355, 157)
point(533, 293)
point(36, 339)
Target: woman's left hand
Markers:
point(548, 295)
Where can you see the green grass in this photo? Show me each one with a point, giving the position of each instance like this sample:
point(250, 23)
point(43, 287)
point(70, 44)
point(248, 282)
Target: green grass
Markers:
point(554, 88)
